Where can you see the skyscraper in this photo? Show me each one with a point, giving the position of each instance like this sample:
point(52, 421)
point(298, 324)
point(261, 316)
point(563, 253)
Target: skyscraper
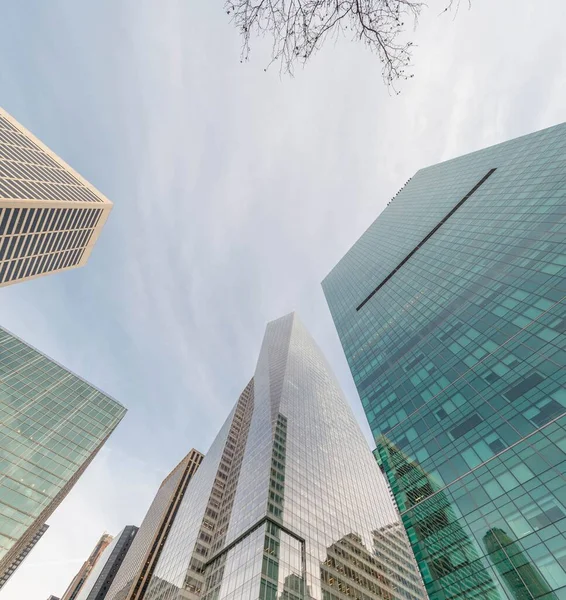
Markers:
point(50, 217)
point(19, 559)
point(451, 312)
point(137, 567)
point(288, 503)
point(79, 580)
point(100, 579)
point(52, 424)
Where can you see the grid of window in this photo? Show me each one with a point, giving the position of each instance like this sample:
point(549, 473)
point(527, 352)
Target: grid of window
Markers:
point(27, 172)
point(35, 241)
point(289, 502)
point(40, 230)
point(139, 562)
point(102, 575)
point(51, 424)
point(459, 362)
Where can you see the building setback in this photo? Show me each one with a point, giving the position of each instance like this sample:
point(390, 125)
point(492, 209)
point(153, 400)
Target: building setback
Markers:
point(450, 309)
point(137, 567)
point(78, 581)
point(289, 502)
point(50, 217)
point(52, 424)
point(102, 575)
point(19, 559)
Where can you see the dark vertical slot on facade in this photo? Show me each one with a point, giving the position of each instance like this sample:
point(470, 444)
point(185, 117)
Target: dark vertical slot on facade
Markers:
point(159, 541)
point(425, 239)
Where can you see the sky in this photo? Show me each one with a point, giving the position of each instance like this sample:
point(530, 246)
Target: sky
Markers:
point(235, 192)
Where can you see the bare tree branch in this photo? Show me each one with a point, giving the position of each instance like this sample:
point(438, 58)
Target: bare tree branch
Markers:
point(300, 27)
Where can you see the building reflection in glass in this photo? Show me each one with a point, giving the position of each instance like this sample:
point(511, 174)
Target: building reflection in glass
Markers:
point(521, 576)
point(449, 556)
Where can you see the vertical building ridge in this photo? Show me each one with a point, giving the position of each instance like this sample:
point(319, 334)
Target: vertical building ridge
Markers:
point(288, 502)
point(137, 567)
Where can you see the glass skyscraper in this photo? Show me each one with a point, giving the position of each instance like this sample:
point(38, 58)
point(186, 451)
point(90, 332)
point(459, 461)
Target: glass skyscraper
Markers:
point(137, 567)
point(80, 578)
point(52, 424)
point(50, 217)
point(450, 309)
point(288, 503)
point(100, 579)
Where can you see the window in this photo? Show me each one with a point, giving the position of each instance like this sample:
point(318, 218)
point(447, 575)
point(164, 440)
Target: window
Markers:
point(466, 425)
point(517, 390)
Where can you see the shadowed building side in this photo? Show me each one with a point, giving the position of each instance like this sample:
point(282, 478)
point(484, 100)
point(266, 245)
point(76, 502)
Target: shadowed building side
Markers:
point(138, 565)
point(75, 586)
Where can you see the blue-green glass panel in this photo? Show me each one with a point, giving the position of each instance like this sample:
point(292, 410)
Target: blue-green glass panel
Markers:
point(459, 359)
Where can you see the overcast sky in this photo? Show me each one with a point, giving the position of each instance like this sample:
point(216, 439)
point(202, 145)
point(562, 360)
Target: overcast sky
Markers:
point(235, 193)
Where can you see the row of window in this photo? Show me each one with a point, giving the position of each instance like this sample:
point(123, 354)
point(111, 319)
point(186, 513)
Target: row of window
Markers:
point(42, 243)
point(33, 220)
point(16, 138)
point(33, 190)
point(28, 267)
point(15, 170)
point(5, 124)
point(27, 156)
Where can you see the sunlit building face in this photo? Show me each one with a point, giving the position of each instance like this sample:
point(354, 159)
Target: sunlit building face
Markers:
point(52, 424)
point(288, 502)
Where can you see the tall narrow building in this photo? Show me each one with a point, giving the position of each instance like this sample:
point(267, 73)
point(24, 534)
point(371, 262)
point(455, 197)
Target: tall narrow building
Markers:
point(100, 579)
point(289, 502)
point(50, 217)
point(451, 312)
point(52, 424)
point(76, 585)
point(137, 567)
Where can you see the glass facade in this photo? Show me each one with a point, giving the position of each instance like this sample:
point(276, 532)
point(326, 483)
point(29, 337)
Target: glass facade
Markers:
point(75, 586)
point(288, 503)
point(50, 217)
point(100, 579)
point(137, 568)
point(450, 309)
point(52, 424)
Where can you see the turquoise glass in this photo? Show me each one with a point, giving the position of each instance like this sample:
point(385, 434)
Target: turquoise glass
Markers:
point(52, 423)
point(451, 312)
